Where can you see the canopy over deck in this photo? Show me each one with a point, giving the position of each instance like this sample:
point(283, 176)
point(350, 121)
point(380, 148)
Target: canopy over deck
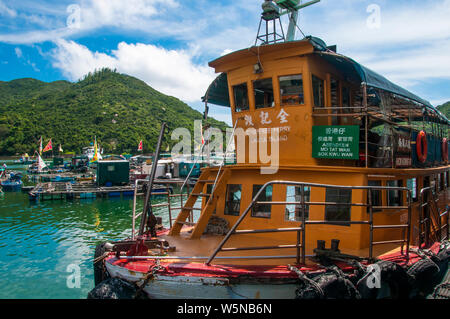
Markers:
point(218, 94)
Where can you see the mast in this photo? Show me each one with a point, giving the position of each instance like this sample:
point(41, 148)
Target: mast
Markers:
point(272, 12)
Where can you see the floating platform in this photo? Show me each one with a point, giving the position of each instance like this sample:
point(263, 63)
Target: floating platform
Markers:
point(68, 190)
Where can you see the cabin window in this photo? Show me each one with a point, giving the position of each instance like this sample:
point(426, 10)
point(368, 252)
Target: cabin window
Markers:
point(345, 97)
point(262, 210)
point(376, 196)
point(263, 90)
point(291, 90)
point(446, 179)
point(241, 97)
point(413, 187)
point(433, 185)
point(334, 85)
point(295, 212)
point(233, 201)
point(318, 91)
point(111, 168)
point(341, 208)
point(394, 197)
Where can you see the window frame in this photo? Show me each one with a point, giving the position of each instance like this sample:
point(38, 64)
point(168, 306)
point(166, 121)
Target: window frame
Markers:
point(253, 213)
point(240, 110)
point(329, 207)
point(227, 201)
point(254, 93)
point(281, 94)
point(298, 211)
point(313, 91)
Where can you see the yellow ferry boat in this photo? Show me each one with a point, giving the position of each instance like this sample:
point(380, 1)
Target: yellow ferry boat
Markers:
point(356, 205)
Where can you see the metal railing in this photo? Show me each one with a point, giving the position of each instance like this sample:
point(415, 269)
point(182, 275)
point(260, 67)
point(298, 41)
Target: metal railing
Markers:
point(136, 194)
point(428, 206)
point(301, 231)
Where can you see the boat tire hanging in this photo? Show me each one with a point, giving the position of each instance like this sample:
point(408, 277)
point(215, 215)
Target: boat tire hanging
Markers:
point(423, 274)
point(100, 274)
point(328, 286)
point(394, 283)
point(422, 147)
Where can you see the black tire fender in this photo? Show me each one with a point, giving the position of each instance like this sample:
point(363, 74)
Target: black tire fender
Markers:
point(393, 279)
point(331, 285)
point(99, 272)
point(113, 288)
point(423, 275)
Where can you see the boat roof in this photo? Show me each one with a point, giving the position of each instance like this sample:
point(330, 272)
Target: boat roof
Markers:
point(218, 94)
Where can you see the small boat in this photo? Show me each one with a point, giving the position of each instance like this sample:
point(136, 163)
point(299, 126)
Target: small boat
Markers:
point(13, 183)
point(24, 160)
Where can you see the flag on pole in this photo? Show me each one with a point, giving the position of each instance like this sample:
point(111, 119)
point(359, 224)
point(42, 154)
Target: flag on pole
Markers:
point(40, 147)
point(140, 147)
point(95, 158)
point(49, 147)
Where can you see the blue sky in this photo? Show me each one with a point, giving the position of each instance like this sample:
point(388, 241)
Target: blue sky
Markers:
point(168, 43)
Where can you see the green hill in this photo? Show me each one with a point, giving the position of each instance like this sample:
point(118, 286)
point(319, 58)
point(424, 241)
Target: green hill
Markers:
point(119, 109)
point(445, 108)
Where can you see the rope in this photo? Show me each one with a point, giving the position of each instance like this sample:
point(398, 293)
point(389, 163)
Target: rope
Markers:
point(304, 278)
point(100, 258)
point(436, 294)
point(149, 276)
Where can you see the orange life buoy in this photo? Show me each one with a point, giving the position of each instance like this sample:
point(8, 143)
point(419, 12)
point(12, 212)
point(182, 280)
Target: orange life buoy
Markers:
point(422, 147)
point(445, 150)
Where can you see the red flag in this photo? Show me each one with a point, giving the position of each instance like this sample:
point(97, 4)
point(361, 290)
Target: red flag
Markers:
point(140, 148)
point(48, 147)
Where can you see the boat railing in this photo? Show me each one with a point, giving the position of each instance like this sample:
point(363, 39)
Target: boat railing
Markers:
point(300, 245)
point(429, 214)
point(136, 193)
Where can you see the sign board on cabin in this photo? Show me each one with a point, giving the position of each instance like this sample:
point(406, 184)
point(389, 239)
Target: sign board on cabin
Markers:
point(336, 142)
point(402, 149)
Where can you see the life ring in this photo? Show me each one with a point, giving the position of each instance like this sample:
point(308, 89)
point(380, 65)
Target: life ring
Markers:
point(445, 150)
point(422, 147)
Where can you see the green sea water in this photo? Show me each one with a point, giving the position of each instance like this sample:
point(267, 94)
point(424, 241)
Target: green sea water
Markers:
point(44, 245)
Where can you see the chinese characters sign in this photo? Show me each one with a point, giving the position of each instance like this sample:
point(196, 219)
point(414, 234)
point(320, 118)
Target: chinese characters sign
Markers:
point(336, 142)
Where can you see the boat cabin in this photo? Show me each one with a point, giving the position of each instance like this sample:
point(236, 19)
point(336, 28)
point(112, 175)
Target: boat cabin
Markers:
point(306, 119)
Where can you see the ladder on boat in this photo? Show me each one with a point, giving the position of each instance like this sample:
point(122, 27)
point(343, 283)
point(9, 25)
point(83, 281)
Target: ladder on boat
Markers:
point(431, 226)
point(219, 183)
point(219, 186)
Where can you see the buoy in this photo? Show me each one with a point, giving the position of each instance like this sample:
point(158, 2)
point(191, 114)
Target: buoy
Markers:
point(422, 147)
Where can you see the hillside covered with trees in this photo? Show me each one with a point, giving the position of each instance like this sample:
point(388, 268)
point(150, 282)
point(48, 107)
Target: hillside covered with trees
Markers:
point(445, 108)
point(118, 109)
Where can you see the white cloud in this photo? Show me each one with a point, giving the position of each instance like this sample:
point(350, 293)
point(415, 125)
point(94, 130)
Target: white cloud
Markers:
point(169, 71)
point(119, 13)
point(4, 10)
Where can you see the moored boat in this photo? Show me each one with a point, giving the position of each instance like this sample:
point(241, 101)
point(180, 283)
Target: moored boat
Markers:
point(353, 201)
point(13, 183)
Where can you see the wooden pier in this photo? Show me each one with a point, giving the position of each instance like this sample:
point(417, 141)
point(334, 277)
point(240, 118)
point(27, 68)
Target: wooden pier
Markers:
point(86, 190)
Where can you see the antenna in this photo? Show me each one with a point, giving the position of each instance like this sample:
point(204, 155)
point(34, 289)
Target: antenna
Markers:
point(272, 12)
